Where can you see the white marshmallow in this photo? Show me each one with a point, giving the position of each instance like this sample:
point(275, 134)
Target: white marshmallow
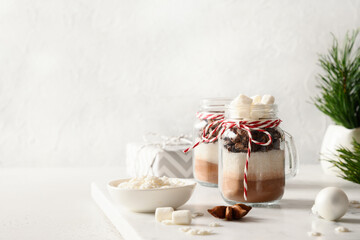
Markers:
point(182, 217)
point(240, 107)
point(256, 99)
point(163, 213)
point(241, 100)
point(267, 99)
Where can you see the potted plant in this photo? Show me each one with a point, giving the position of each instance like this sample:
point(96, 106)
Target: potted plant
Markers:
point(348, 163)
point(339, 99)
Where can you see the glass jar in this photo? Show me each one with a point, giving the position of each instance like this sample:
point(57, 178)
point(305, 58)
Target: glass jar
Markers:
point(205, 155)
point(271, 159)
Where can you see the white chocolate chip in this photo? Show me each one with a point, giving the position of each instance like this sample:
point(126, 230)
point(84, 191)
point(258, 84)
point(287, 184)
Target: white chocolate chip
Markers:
point(314, 234)
point(182, 217)
point(341, 229)
point(164, 213)
point(214, 224)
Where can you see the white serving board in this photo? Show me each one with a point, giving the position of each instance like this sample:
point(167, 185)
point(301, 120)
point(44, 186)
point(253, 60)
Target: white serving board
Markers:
point(290, 219)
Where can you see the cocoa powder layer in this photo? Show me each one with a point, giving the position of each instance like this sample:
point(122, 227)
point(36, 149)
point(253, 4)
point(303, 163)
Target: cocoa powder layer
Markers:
point(206, 171)
point(257, 192)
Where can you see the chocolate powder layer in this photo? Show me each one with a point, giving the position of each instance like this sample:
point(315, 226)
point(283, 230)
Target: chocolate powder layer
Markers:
point(206, 171)
point(258, 191)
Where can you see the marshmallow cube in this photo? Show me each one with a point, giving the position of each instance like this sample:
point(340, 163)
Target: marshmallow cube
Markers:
point(242, 100)
point(267, 99)
point(256, 99)
point(163, 213)
point(182, 217)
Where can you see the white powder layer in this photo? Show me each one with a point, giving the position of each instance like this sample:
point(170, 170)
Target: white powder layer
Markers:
point(262, 165)
point(151, 182)
point(207, 152)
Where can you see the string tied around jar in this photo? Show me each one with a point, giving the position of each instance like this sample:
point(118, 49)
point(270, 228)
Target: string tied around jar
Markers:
point(248, 126)
point(218, 119)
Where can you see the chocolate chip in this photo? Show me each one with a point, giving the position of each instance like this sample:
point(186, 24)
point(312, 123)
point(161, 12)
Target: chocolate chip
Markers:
point(239, 140)
point(239, 146)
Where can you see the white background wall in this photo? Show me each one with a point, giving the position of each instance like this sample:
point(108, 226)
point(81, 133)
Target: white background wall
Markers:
point(80, 79)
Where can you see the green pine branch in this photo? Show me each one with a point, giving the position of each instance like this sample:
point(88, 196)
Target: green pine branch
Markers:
point(349, 163)
point(339, 85)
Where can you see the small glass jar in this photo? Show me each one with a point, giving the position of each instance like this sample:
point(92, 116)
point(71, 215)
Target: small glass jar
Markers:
point(268, 165)
point(205, 155)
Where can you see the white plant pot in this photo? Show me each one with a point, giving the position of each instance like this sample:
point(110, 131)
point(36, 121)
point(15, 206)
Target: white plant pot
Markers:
point(335, 137)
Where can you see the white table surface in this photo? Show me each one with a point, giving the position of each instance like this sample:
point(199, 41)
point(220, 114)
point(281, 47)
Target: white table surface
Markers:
point(56, 204)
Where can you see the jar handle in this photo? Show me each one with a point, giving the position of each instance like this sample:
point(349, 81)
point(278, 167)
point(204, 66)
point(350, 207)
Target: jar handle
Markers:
point(293, 166)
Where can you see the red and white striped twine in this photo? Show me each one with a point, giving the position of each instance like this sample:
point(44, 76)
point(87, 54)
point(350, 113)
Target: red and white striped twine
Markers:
point(248, 126)
point(206, 116)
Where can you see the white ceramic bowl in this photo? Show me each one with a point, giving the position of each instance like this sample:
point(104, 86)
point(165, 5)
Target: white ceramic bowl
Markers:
point(147, 200)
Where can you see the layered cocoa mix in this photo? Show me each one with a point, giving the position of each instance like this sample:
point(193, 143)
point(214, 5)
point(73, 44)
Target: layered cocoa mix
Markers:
point(266, 172)
point(206, 157)
point(206, 162)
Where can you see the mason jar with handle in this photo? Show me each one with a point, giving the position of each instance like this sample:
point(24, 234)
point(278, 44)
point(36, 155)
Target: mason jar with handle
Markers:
point(205, 154)
point(255, 155)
